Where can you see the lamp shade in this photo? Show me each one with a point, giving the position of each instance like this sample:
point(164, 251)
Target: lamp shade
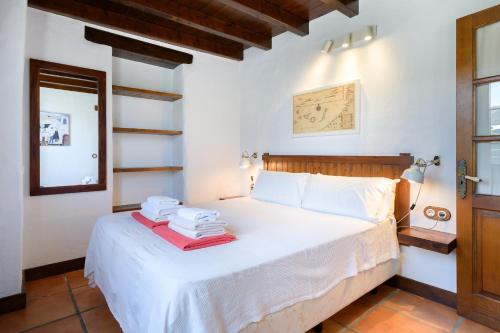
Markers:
point(413, 174)
point(245, 162)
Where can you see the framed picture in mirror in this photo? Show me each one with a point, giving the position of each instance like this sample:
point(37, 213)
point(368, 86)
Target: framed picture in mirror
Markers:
point(54, 129)
point(67, 135)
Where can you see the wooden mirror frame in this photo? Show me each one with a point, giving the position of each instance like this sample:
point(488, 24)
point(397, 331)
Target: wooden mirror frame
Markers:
point(36, 68)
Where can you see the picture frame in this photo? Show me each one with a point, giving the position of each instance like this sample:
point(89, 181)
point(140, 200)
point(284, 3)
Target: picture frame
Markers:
point(328, 110)
point(54, 129)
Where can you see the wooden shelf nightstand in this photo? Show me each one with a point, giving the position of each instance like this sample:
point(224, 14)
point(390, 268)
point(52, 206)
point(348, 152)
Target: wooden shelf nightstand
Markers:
point(431, 240)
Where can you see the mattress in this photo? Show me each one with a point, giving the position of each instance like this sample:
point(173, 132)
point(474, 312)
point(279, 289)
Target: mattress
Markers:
point(283, 255)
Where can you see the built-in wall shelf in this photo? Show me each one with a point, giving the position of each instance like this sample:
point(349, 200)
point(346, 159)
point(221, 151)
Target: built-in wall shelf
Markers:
point(431, 240)
point(144, 93)
point(126, 208)
point(148, 169)
point(145, 131)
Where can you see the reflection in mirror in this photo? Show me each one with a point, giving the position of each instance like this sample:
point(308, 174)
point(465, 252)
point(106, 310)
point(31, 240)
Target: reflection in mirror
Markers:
point(68, 135)
point(69, 124)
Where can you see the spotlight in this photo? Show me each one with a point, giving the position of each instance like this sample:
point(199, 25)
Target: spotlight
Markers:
point(346, 41)
point(327, 46)
point(368, 33)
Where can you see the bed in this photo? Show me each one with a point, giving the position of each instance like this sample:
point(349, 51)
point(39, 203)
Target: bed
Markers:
point(290, 268)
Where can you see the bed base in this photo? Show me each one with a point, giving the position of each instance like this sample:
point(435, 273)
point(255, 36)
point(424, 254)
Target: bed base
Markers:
point(305, 315)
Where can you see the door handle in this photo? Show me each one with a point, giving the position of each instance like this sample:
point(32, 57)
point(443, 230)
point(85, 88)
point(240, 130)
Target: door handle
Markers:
point(463, 177)
point(474, 179)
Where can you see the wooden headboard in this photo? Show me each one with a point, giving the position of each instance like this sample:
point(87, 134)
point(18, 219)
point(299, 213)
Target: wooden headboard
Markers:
point(355, 166)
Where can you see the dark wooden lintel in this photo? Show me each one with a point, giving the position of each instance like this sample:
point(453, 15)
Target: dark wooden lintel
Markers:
point(133, 49)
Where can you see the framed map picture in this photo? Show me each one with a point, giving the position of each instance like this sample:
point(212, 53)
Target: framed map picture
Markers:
point(329, 110)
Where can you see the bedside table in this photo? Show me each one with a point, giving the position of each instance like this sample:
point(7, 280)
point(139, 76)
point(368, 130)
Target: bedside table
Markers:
point(232, 197)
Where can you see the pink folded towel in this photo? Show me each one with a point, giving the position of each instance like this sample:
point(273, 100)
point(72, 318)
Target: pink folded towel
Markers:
point(182, 242)
point(147, 222)
point(187, 244)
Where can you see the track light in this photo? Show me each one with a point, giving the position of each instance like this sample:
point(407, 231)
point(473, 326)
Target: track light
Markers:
point(346, 41)
point(327, 46)
point(366, 34)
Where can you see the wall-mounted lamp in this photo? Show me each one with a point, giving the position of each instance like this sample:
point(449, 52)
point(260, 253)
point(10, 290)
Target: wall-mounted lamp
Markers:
point(366, 34)
point(416, 174)
point(246, 160)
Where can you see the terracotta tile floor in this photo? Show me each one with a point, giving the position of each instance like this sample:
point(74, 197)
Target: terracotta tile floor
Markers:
point(65, 303)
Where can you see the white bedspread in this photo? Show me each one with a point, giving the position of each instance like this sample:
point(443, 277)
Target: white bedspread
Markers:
point(283, 255)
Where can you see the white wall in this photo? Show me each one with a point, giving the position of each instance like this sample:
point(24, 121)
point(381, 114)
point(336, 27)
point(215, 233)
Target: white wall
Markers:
point(57, 227)
point(68, 165)
point(408, 99)
point(211, 123)
point(12, 30)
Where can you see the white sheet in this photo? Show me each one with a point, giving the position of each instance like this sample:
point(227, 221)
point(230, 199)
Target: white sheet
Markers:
point(283, 255)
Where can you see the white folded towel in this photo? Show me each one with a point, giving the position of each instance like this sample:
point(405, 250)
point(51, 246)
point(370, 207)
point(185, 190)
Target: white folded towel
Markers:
point(160, 210)
point(152, 216)
point(162, 200)
point(198, 214)
point(197, 234)
point(195, 225)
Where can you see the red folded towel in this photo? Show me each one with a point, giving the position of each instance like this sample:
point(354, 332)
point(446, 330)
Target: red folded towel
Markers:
point(146, 222)
point(187, 244)
point(182, 242)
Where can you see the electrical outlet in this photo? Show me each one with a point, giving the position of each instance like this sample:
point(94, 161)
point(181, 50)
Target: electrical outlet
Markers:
point(437, 213)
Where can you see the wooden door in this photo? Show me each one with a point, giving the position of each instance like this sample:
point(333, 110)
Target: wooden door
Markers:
point(478, 154)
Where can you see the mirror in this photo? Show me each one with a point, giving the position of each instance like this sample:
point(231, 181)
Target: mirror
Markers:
point(67, 129)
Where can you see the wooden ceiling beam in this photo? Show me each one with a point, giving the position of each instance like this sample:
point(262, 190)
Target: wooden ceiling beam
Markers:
point(271, 13)
point(179, 13)
point(98, 13)
point(346, 7)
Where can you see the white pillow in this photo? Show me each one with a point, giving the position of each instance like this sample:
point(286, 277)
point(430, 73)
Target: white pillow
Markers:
point(280, 187)
point(388, 207)
point(367, 198)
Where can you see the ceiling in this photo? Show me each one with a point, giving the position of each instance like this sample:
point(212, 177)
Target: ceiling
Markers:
point(221, 27)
